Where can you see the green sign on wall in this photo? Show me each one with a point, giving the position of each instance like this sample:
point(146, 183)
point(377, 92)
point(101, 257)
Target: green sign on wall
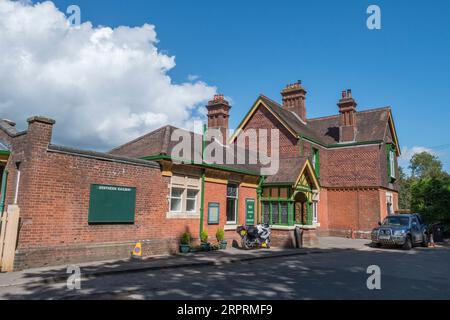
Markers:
point(112, 204)
point(250, 212)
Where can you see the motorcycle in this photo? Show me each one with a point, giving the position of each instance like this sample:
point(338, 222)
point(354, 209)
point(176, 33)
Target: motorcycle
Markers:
point(254, 236)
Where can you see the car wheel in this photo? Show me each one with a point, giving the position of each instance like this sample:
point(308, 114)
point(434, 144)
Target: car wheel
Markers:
point(408, 244)
point(425, 240)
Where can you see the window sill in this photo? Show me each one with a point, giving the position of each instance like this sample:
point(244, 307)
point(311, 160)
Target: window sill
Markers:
point(182, 215)
point(230, 227)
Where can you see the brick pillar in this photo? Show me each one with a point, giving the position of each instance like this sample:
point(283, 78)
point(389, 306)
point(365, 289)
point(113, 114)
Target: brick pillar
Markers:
point(40, 131)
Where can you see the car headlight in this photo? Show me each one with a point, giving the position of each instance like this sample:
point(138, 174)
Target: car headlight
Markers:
point(399, 233)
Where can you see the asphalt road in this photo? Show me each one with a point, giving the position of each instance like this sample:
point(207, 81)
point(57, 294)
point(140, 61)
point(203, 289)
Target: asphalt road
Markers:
point(333, 274)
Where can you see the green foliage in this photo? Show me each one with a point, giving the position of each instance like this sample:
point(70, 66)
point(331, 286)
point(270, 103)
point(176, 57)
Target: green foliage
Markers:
point(431, 197)
point(427, 190)
point(425, 165)
point(204, 236)
point(220, 235)
point(186, 238)
point(404, 190)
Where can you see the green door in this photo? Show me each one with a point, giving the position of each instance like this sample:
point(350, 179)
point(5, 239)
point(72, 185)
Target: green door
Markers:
point(250, 212)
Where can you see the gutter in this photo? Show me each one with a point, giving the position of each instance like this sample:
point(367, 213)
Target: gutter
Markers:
point(205, 165)
point(340, 145)
point(259, 190)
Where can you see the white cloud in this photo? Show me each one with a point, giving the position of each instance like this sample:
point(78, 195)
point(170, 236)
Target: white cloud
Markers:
point(103, 86)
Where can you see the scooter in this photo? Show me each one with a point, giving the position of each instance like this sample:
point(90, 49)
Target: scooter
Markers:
point(254, 236)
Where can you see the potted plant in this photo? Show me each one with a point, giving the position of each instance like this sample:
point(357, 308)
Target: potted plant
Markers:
point(220, 236)
point(204, 239)
point(185, 245)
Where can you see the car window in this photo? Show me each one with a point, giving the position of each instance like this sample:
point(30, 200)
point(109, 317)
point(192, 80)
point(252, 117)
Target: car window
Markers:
point(414, 220)
point(419, 218)
point(396, 221)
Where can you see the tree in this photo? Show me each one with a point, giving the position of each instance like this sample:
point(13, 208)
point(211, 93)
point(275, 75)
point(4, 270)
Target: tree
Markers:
point(425, 165)
point(404, 190)
point(431, 197)
point(427, 190)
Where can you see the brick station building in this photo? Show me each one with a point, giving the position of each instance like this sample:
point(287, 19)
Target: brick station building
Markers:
point(337, 176)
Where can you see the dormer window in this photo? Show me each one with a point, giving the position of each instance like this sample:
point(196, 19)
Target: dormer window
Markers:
point(390, 148)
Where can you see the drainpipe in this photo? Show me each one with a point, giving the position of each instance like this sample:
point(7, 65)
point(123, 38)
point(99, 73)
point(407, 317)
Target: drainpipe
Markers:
point(17, 183)
point(202, 191)
point(259, 192)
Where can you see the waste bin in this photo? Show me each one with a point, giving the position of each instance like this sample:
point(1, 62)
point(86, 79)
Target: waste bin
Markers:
point(438, 232)
point(298, 237)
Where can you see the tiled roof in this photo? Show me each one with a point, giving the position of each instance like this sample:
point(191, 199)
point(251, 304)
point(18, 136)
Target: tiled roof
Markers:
point(371, 124)
point(288, 172)
point(159, 142)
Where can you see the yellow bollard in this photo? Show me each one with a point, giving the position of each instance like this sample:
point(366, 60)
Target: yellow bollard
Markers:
point(137, 251)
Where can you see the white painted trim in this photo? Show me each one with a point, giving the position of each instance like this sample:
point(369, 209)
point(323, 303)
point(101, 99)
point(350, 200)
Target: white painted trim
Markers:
point(16, 196)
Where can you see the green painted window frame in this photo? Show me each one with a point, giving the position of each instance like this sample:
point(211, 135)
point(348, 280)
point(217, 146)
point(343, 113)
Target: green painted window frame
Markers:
point(392, 173)
point(105, 206)
point(316, 158)
point(278, 204)
point(210, 206)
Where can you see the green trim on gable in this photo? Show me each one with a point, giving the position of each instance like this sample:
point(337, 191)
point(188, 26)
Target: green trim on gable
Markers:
point(341, 145)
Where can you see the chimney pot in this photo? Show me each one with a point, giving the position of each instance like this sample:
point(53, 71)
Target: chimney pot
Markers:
point(218, 113)
point(347, 120)
point(294, 99)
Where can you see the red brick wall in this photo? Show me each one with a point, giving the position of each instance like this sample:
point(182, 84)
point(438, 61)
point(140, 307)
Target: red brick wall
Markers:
point(353, 209)
point(322, 210)
point(263, 119)
point(351, 167)
point(54, 202)
point(216, 192)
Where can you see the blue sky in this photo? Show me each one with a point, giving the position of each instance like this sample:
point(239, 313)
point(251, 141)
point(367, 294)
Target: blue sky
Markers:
point(250, 47)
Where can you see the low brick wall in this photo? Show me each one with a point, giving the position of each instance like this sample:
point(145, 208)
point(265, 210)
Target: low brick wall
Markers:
point(286, 238)
point(346, 233)
point(73, 254)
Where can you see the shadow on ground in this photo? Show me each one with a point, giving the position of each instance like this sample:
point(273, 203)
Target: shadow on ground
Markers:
point(320, 274)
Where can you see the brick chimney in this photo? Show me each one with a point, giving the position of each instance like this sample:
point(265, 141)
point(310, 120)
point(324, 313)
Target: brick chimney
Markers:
point(347, 120)
point(294, 96)
point(218, 114)
point(40, 131)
